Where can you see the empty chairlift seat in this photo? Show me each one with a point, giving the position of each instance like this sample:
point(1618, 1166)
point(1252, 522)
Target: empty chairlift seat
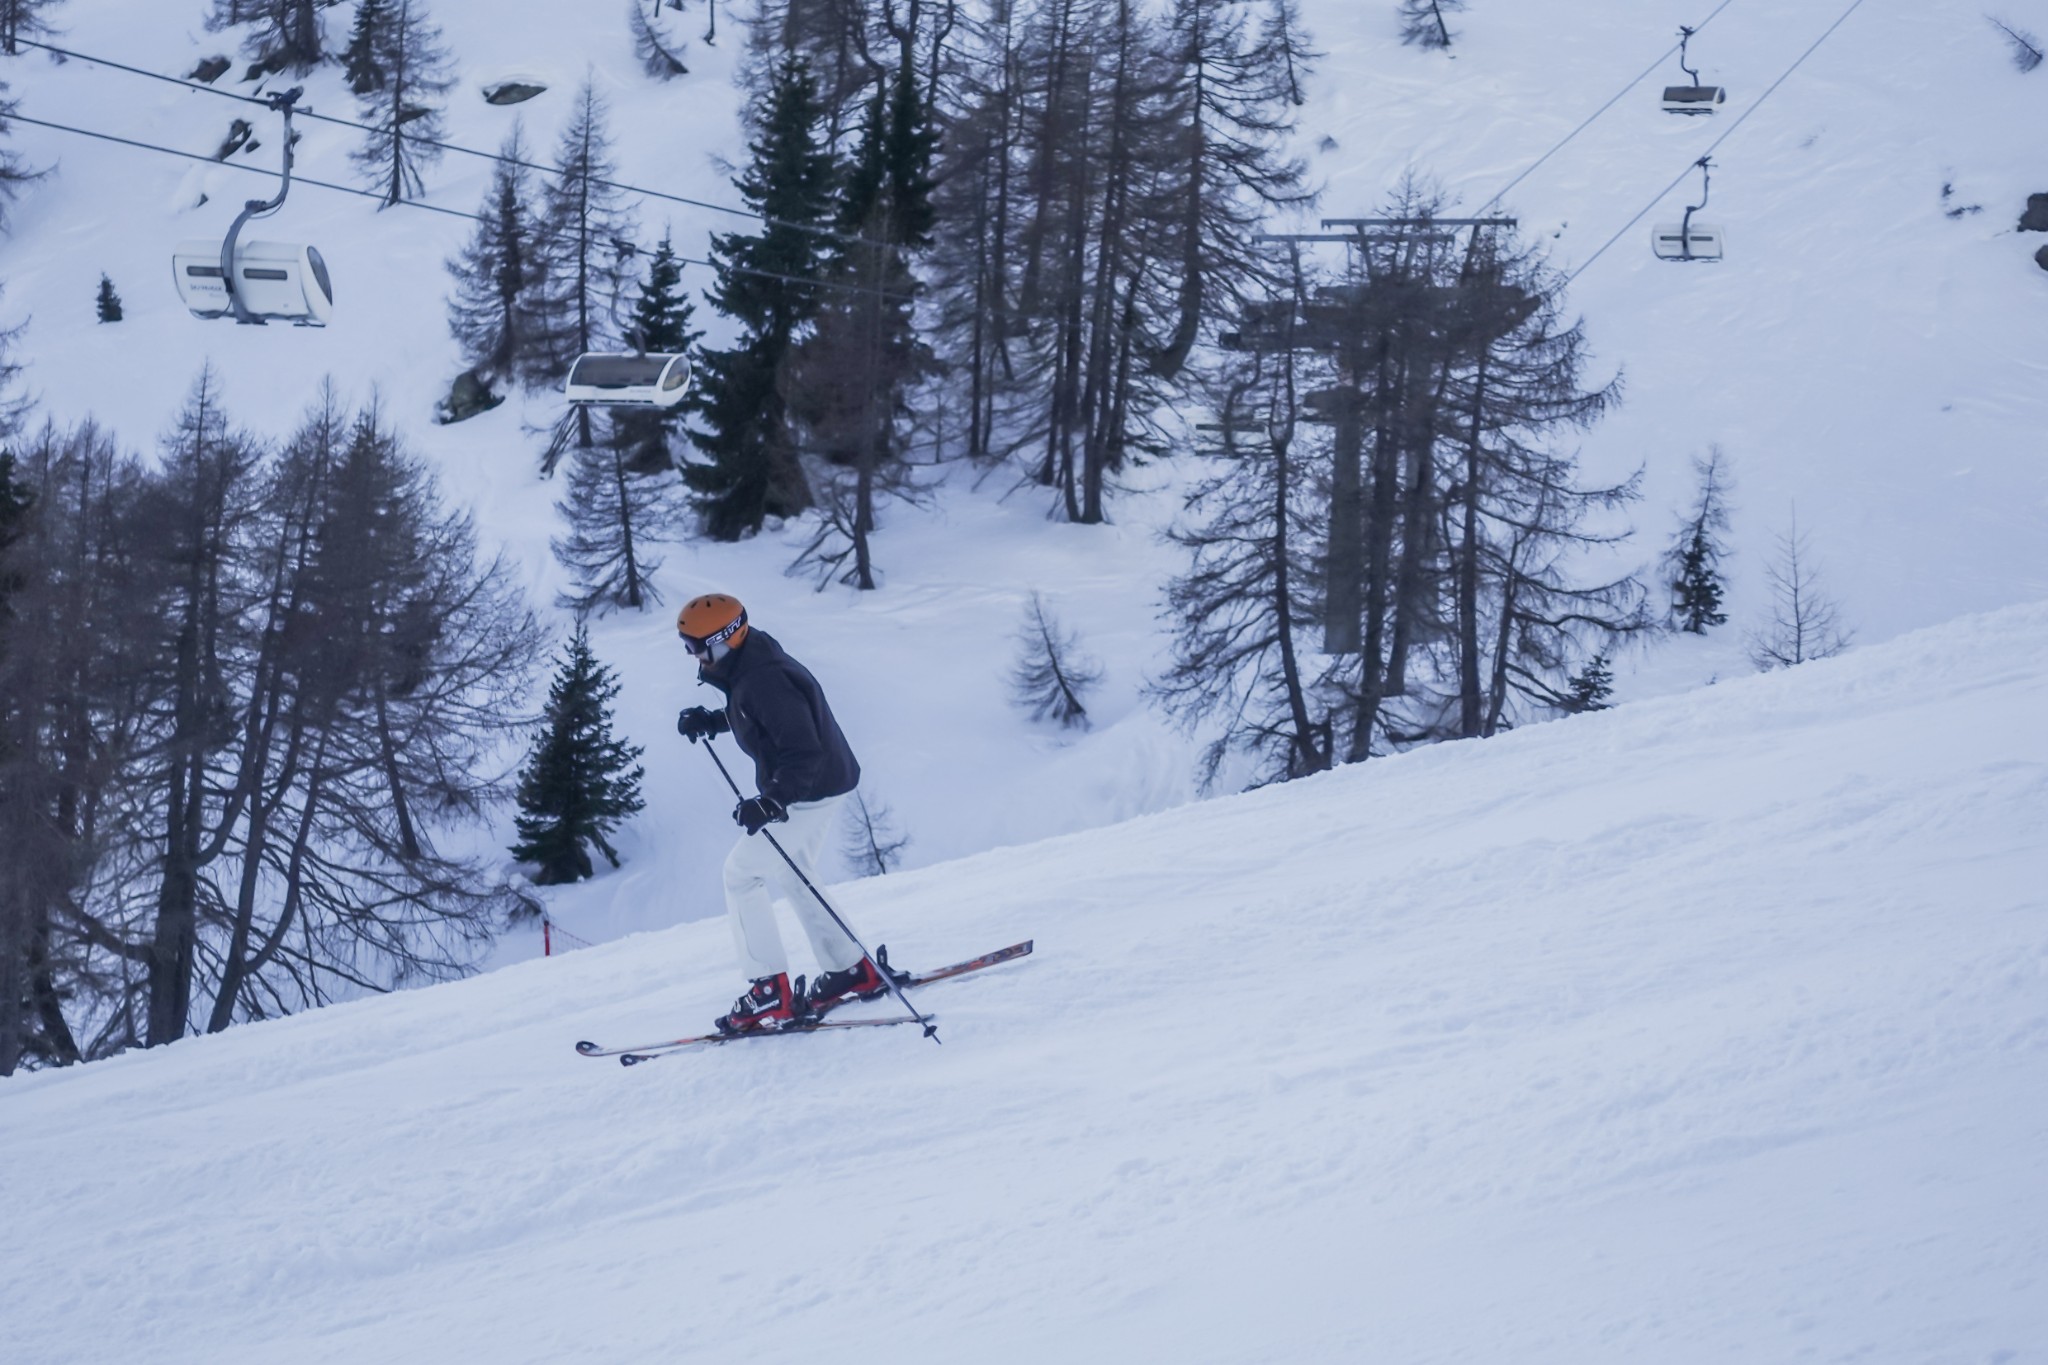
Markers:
point(1675, 242)
point(1693, 99)
point(278, 281)
point(624, 380)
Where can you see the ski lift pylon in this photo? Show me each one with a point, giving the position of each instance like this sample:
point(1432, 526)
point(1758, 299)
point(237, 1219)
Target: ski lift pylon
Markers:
point(628, 379)
point(257, 282)
point(1690, 241)
point(1691, 98)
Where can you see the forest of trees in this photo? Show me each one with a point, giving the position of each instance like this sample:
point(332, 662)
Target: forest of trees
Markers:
point(1025, 236)
point(1397, 548)
point(245, 689)
point(993, 230)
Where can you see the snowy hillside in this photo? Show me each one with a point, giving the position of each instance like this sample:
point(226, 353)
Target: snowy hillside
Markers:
point(1712, 1028)
point(1859, 353)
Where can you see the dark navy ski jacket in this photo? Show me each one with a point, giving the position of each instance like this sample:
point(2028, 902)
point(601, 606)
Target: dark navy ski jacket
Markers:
point(779, 718)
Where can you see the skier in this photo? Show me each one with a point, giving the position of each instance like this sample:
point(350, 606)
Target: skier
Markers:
point(804, 769)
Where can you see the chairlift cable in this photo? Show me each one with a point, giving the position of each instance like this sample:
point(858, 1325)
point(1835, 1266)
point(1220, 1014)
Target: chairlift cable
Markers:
point(1662, 57)
point(18, 117)
point(541, 167)
point(297, 179)
point(1693, 165)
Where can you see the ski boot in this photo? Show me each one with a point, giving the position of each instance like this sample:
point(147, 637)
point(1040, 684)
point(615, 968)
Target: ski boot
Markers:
point(771, 1002)
point(863, 979)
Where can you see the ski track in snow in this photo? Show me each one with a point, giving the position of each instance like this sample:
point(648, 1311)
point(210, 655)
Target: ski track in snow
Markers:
point(1714, 1027)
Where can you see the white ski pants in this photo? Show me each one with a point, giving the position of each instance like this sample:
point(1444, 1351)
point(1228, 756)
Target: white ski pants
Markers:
point(755, 873)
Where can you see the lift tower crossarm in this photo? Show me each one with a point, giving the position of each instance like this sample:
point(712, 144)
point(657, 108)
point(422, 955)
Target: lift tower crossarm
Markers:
point(1420, 222)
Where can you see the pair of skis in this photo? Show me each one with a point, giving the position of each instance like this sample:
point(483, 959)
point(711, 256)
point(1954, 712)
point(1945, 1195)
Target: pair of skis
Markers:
point(817, 1023)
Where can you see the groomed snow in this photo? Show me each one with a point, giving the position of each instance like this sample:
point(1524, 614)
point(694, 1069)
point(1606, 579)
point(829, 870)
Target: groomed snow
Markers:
point(1713, 1028)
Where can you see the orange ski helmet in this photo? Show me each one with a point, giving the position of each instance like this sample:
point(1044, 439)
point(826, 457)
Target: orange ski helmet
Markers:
point(713, 619)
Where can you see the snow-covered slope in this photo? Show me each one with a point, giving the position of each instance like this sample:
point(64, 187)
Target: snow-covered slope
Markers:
point(1713, 1028)
point(1859, 353)
point(917, 670)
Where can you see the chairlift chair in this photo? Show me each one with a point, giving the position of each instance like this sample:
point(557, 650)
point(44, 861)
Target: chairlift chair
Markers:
point(613, 379)
point(1677, 242)
point(256, 282)
point(285, 281)
point(1690, 241)
point(1692, 98)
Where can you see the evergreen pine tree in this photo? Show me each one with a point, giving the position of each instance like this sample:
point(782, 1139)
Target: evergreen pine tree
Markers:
point(108, 303)
point(405, 121)
point(1694, 563)
point(662, 314)
point(660, 324)
point(1591, 686)
point(767, 281)
point(494, 271)
point(362, 61)
point(613, 515)
point(579, 782)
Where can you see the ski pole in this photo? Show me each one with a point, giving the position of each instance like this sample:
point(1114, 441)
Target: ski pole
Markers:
point(931, 1030)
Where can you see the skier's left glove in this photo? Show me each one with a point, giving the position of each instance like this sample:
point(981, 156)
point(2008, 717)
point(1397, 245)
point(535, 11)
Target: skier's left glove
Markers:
point(758, 812)
point(698, 723)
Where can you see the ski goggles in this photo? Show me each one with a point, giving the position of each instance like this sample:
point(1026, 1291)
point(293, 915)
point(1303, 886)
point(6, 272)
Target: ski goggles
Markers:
point(702, 648)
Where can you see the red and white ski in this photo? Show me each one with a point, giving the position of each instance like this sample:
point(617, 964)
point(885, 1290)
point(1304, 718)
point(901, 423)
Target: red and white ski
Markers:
point(629, 1056)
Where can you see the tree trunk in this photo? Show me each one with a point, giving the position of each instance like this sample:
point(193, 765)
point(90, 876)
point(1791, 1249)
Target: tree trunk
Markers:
point(1470, 703)
point(1192, 284)
point(1307, 757)
point(625, 497)
point(1344, 562)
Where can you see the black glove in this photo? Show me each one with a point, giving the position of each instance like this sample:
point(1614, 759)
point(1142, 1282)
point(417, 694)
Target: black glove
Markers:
point(697, 723)
point(758, 812)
